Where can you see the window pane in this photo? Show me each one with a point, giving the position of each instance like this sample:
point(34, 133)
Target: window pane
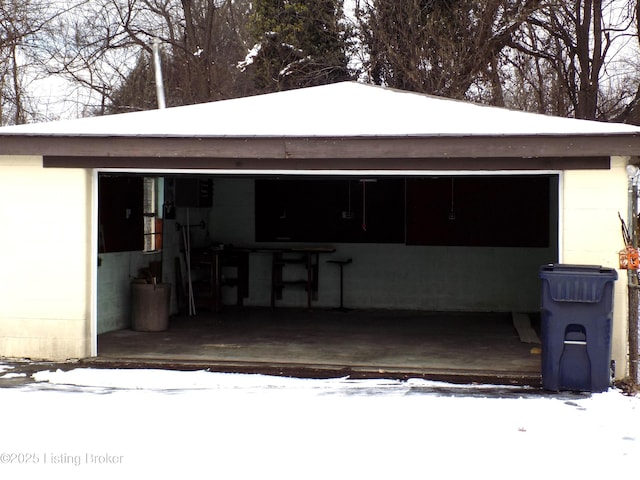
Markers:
point(151, 209)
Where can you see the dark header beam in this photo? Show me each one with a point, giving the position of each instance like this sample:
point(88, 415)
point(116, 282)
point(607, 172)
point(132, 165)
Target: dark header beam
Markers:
point(286, 148)
point(333, 164)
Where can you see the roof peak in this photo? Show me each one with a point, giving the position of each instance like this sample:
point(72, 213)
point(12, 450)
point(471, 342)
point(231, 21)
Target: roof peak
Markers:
point(343, 109)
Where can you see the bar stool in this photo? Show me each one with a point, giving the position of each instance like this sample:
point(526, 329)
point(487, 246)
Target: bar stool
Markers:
point(341, 263)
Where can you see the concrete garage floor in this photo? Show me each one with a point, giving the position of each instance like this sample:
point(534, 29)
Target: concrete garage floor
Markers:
point(476, 347)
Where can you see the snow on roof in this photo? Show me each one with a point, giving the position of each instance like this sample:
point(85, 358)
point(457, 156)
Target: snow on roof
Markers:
point(336, 110)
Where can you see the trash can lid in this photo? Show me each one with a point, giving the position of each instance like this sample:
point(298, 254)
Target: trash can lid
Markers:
point(576, 283)
point(577, 269)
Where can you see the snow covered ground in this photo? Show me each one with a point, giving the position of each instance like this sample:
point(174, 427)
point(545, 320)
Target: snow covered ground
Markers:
point(157, 424)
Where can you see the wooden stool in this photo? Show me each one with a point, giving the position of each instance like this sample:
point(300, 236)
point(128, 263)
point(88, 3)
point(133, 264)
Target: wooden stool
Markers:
point(341, 264)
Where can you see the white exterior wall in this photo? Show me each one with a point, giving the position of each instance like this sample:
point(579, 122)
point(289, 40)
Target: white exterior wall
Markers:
point(46, 260)
point(591, 235)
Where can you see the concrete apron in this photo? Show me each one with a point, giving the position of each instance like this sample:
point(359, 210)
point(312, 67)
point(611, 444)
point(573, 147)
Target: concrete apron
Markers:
point(458, 347)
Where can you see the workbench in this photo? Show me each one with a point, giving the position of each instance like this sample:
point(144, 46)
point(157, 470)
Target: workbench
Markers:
point(220, 258)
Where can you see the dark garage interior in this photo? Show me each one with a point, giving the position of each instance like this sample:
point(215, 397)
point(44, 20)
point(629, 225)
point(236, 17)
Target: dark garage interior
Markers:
point(421, 251)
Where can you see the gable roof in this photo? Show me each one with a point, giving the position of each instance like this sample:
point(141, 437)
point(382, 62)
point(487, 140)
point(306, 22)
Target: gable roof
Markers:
point(337, 126)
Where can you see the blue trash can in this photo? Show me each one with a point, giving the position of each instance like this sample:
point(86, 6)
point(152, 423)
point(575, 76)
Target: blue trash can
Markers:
point(576, 326)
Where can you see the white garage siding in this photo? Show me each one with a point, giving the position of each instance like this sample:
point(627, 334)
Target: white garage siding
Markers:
point(591, 200)
point(46, 260)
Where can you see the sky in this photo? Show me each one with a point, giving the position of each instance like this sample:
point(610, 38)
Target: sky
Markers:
point(109, 423)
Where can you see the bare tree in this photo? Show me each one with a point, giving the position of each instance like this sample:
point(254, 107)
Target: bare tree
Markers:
point(107, 45)
point(22, 23)
point(564, 56)
point(444, 47)
point(550, 56)
point(626, 104)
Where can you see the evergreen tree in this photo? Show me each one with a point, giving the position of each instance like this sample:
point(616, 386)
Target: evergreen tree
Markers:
point(138, 92)
point(298, 43)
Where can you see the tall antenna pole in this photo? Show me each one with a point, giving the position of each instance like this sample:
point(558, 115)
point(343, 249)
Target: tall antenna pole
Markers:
point(158, 72)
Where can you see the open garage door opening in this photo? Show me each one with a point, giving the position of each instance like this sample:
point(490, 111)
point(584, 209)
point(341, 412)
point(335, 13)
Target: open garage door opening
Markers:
point(434, 269)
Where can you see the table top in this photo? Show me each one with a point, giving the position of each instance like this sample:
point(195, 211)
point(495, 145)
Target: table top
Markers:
point(261, 249)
